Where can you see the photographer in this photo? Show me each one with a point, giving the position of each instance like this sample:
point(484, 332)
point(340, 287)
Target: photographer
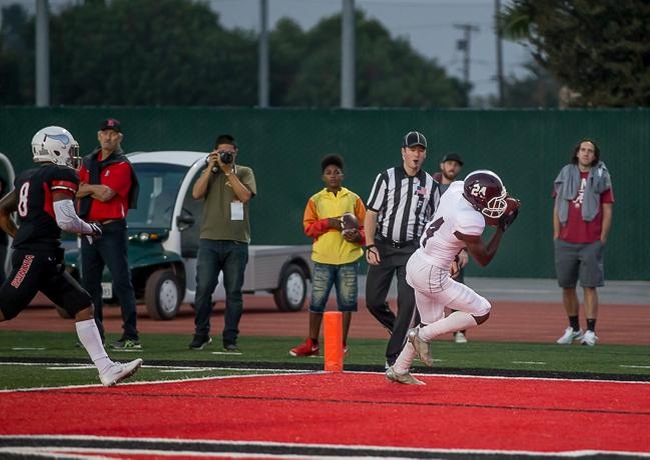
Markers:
point(226, 189)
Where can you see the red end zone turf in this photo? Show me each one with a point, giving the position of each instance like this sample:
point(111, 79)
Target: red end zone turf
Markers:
point(494, 414)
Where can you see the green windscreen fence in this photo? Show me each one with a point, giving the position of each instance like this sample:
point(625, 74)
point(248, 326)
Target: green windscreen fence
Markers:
point(526, 148)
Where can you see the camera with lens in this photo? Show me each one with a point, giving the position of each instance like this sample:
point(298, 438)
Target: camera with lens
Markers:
point(225, 157)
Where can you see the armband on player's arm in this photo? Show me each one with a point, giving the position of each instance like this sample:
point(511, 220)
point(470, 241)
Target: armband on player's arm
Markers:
point(68, 220)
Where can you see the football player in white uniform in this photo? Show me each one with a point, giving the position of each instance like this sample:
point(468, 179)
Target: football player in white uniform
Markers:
point(464, 211)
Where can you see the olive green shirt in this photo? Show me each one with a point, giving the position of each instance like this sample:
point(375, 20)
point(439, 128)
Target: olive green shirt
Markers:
point(217, 222)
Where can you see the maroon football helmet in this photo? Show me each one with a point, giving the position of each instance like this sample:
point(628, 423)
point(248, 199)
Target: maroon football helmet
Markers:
point(486, 193)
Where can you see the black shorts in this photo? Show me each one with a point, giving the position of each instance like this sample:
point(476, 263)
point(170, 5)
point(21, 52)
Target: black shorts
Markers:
point(35, 271)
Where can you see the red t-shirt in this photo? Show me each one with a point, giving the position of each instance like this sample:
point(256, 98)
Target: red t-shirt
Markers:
point(117, 177)
point(577, 230)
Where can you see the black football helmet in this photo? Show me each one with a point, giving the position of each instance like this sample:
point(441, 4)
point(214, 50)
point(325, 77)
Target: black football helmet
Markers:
point(486, 193)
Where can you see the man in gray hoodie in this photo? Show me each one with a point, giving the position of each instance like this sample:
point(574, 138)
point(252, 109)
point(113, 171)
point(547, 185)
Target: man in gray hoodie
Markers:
point(582, 217)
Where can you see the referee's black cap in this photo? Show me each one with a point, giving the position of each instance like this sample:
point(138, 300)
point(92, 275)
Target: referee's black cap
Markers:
point(414, 138)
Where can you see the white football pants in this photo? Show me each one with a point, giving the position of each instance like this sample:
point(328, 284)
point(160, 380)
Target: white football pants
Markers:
point(435, 290)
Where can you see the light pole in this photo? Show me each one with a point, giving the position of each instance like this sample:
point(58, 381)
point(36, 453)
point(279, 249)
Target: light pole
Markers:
point(42, 53)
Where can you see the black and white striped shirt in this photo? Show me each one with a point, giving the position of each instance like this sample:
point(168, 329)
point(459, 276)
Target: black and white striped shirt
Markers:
point(403, 204)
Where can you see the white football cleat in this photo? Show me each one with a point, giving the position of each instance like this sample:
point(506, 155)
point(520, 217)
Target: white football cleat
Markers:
point(406, 379)
point(421, 347)
point(118, 372)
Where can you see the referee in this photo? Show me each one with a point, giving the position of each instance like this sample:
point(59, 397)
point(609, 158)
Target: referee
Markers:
point(401, 202)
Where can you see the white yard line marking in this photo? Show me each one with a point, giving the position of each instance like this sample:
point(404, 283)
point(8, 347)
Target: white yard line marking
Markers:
point(71, 368)
point(28, 348)
point(227, 353)
point(529, 362)
point(633, 366)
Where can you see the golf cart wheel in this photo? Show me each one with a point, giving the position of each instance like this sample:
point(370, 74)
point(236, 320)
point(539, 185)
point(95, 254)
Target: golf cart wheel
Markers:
point(292, 291)
point(162, 295)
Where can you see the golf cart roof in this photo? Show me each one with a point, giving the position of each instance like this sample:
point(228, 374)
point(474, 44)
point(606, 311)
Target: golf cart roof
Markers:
point(175, 157)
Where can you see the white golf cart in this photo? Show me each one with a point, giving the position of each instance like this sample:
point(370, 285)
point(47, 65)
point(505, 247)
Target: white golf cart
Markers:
point(164, 238)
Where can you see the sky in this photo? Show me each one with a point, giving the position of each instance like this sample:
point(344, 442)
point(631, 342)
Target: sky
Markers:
point(429, 25)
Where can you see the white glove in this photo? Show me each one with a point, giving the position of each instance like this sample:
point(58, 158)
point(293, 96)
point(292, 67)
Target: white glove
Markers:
point(96, 233)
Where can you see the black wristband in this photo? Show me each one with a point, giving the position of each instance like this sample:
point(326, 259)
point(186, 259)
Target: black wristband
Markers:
point(370, 246)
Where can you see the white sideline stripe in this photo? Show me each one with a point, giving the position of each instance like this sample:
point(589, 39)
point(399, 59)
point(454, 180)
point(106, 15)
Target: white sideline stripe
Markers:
point(91, 454)
point(528, 362)
point(203, 369)
point(28, 348)
point(232, 353)
point(282, 372)
point(633, 366)
point(271, 373)
point(361, 448)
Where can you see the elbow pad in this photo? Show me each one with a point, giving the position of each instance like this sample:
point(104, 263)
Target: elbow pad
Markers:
point(68, 220)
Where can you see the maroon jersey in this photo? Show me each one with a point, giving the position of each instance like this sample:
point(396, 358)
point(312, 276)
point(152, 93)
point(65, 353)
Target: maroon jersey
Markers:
point(38, 229)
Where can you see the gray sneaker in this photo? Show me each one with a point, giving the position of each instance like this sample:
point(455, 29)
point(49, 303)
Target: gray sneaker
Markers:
point(118, 372)
point(406, 379)
point(570, 336)
point(421, 347)
point(126, 344)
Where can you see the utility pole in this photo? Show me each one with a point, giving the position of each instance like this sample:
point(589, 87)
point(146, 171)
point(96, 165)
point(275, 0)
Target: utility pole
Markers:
point(497, 12)
point(464, 45)
point(348, 55)
point(263, 71)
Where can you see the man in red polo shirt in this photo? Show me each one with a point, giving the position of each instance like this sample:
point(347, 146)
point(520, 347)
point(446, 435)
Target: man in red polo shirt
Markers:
point(108, 188)
point(582, 217)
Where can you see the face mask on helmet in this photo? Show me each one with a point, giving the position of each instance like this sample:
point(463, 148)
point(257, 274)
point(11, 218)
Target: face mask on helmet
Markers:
point(486, 193)
point(56, 145)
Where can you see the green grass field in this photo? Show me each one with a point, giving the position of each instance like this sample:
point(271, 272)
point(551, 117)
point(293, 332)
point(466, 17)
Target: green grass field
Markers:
point(41, 359)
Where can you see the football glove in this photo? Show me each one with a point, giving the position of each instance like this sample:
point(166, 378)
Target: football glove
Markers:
point(507, 219)
point(96, 233)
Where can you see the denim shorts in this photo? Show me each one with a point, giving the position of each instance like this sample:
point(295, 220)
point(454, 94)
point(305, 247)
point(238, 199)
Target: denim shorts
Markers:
point(582, 261)
point(343, 277)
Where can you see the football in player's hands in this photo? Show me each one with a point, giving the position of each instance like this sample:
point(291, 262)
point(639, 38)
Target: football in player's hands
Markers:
point(349, 222)
point(511, 213)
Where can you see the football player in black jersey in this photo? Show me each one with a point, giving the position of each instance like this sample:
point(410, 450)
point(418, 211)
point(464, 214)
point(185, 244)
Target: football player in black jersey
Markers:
point(42, 198)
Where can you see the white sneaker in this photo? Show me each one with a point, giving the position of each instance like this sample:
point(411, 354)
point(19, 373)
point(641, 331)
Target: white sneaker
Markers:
point(589, 338)
point(406, 379)
point(118, 372)
point(421, 347)
point(459, 337)
point(569, 336)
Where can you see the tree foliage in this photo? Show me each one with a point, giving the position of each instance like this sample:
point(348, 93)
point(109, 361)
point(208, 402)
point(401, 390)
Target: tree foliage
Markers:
point(12, 46)
point(150, 52)
point(600, 50)
point(306, 68)
point(176, 52)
